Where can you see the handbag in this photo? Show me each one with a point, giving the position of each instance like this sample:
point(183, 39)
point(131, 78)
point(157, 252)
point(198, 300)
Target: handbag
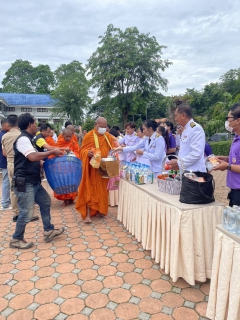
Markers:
point(194, 192)
point(168, 186)
point(95, 161)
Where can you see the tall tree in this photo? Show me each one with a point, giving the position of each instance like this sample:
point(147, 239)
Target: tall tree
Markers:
point(22, 77)
point(71, 93)
point(230, 82)
point(42, 79)
point(18, 78)
point(126, 64)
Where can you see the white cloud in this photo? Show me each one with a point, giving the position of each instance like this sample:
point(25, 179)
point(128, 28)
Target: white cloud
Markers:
point(202, 36)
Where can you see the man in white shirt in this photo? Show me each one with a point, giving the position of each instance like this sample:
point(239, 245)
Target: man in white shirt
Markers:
point(130, 139)
point(27, 184)
point(192, 141)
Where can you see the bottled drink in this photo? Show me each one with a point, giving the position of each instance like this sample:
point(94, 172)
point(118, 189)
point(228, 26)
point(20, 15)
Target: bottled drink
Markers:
point(133, 173)
point(225, 217)
point(137, 173)
point(149, 175)
point(238, 220)
point(141, 175)
point(232, 221)
point(128, 171)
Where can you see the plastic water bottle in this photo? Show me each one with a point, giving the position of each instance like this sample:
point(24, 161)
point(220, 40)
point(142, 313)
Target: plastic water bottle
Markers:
point(128, 171)
point(133, 175)
point(225, 217)
point(137, 173)
point(238, 220)
point(149, 175)
point(232, 221)
point(141, 175)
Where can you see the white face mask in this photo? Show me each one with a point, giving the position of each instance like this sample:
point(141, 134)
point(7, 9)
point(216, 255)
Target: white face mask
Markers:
point(102, 130)
point(227, 127)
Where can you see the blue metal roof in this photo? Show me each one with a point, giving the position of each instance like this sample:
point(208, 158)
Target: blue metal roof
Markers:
point(25, 99)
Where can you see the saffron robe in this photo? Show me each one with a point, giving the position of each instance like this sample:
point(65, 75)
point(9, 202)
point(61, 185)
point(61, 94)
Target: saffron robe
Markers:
point(74, 147)
point(93, 191)
point(50, 141)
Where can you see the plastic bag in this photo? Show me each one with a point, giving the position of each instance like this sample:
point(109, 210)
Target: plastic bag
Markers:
point(96, 159)
point(194, 192)
point(211, 162)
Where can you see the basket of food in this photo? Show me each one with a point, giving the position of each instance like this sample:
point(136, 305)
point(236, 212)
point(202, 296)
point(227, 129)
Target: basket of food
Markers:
point(63, 173)
point(170, 181)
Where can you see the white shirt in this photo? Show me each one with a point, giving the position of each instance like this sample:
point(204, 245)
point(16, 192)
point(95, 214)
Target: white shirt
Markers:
point(192, 144)
point(55, 137)
point(153, 151)
point(130, 140)
point(24, 146)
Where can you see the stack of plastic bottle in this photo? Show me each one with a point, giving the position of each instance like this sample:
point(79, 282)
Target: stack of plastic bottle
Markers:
point(137, 173)
point(231, 219)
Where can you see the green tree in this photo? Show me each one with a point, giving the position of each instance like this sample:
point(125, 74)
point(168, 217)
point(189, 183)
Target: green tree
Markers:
point(18, 78)
point(71, 93)
point(88, 124)
point(22, 77)
point(125, 65)
point(230, 82)
point(42, 79)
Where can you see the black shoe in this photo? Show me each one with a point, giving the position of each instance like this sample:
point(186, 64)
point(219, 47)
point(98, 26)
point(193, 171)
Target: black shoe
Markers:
point(14, 219)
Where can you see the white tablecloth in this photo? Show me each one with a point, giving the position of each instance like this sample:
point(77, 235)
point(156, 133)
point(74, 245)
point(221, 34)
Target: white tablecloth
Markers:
point(180, 236)
point(224, 298)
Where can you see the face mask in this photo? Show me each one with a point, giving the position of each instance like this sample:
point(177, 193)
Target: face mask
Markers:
point(227, 127)
point(102, 130)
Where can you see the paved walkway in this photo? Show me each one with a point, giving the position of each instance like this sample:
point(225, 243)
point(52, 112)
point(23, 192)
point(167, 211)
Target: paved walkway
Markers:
point(95, 272)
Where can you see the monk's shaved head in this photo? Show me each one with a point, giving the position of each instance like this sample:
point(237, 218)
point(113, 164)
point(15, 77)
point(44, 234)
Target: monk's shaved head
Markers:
point(70, 127)
point(67, 134)
point(101, 122)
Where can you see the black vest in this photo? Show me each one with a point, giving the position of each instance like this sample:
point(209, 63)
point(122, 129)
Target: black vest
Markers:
point(30, 170)
point(38, 136)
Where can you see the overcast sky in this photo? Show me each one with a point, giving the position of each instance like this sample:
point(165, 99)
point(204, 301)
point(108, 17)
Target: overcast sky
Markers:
point(202, 36)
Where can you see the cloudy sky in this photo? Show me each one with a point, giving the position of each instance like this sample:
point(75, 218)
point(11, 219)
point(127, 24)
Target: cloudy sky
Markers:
point(202, 36)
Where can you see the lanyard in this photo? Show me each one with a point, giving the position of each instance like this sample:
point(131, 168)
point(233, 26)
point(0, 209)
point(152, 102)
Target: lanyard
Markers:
point(97, 142)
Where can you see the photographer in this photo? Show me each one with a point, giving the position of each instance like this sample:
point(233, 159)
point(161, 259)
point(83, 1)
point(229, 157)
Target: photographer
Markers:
point(27, 184)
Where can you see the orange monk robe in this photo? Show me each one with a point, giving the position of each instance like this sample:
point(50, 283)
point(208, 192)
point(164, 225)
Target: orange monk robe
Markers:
point(93, 188)
point(50, 141)
point(74, 147)
point(72, 144)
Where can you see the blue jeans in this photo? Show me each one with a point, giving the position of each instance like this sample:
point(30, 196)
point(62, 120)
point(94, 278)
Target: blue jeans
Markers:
point(5, 189)
point(34, 193)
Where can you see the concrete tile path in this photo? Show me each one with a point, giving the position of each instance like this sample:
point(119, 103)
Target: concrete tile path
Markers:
point(95, 272)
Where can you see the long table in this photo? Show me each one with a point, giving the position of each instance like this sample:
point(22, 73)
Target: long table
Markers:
point(224, 298)
point(180, 236)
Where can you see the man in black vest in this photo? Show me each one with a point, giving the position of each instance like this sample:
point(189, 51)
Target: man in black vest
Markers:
point(27, 184)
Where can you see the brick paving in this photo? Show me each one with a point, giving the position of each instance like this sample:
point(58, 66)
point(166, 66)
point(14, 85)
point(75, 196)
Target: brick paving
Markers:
point(95, 272)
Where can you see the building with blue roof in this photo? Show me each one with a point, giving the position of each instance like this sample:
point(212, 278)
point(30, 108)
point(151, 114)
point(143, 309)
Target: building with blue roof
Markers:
point(39, 105)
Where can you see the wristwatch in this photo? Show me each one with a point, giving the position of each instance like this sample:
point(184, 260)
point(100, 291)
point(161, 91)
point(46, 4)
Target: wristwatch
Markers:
point(229, 167)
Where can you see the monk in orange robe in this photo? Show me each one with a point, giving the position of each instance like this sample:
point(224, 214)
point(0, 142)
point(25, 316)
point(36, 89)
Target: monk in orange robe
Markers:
point(50, 140)
point(65, 141)
point(74, 135)
point(93, 193)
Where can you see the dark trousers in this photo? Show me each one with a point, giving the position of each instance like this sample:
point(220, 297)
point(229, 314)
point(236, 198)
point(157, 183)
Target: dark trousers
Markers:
point(234, 197)
point(34, 193)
